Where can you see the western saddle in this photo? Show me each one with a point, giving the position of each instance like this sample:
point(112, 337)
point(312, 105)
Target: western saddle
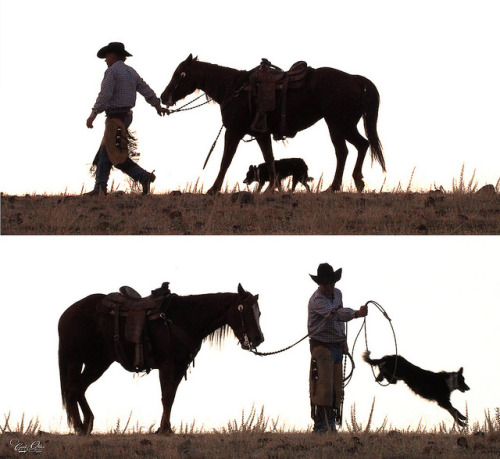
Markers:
point(129, 304)
point(264, 84)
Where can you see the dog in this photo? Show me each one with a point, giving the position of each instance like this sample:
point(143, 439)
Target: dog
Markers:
point(432, 386)
point(296, 167)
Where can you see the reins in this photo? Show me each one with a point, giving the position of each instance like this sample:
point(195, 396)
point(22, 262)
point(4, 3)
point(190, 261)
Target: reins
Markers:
point(183, 109)
point(210, 99)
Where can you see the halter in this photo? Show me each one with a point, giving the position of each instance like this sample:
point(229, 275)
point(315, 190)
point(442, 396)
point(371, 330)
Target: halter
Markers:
point(246, 341)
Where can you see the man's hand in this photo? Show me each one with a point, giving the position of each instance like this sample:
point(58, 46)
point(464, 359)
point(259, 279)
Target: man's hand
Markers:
point(90, 120)
point(163, 111)
point(362, 312)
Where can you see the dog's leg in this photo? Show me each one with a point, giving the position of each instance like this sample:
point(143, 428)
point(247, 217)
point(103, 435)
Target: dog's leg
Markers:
point(460, 419)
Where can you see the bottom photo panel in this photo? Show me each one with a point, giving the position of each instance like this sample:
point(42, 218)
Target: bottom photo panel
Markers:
point(239, 334)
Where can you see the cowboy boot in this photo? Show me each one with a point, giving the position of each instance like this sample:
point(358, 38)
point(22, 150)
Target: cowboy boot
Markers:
point(98, 189)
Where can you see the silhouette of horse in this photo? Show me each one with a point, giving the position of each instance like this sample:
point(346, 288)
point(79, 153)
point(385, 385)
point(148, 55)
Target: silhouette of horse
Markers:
point(175, 334)
point(341, 99)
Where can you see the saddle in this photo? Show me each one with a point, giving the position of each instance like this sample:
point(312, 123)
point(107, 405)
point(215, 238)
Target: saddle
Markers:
point(265, 82)
point(128, 304)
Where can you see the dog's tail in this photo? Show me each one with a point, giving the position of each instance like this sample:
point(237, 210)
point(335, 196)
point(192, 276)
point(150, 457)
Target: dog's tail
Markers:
point(366, 357)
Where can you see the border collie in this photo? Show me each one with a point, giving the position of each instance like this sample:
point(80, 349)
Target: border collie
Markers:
point(296, 167)
point(432, 386)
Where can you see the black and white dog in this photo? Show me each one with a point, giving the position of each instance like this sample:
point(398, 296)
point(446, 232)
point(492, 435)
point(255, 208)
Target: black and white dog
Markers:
point(432, 386)
point(296, 167)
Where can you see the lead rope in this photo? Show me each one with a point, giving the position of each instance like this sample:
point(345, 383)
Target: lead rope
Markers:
point(183, 109)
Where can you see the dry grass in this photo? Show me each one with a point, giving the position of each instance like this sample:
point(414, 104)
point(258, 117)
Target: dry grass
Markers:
point(462, 210)
point(255, 435)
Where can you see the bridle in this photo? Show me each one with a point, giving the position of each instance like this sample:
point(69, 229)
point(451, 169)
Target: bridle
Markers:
point(246, 342)
point(183, 108)
point(209, 99)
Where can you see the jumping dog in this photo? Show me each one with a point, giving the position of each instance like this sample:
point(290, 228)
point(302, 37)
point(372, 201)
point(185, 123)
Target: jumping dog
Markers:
point(432, 386)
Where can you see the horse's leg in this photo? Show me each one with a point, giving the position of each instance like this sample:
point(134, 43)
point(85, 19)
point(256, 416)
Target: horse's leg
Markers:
point(71, 390)
point(341, 151)
point(92, 372)
point(353, 136)
point(231, 141)
point(171, 373)
point(266, 147)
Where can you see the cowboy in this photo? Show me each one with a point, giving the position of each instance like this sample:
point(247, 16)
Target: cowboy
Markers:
point(328, 344)
point(117, 98)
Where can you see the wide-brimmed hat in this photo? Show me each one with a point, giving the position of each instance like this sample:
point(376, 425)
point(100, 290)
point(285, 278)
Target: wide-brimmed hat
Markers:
point(326, 275)
point(114, 47)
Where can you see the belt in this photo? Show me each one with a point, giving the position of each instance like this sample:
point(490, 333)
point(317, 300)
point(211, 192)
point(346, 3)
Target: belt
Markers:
point(119, 111)
point(315, 342)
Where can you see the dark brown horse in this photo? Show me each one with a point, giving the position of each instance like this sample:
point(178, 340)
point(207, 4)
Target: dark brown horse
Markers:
point(341, 99)
point(86, 343)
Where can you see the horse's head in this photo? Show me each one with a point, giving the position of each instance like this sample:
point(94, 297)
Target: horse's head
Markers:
point(244, 320)
point(181, 84)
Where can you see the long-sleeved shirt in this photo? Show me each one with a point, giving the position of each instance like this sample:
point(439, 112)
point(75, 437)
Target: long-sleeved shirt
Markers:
point(119, 89)
point(326, 317)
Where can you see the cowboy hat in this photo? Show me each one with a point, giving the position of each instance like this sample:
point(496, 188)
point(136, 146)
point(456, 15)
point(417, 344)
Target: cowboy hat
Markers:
point(326, 275)
point(114, 47)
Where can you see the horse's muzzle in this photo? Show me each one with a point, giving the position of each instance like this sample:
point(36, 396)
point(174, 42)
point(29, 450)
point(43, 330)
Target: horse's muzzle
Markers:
point(248, 344)
point(167, 100)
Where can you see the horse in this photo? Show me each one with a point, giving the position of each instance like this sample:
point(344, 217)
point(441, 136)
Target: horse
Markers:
point(175, 335)
point(339, 98)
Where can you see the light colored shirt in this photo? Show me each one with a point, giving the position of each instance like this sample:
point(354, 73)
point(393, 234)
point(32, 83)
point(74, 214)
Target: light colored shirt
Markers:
point(119, 89)
point(326, 317)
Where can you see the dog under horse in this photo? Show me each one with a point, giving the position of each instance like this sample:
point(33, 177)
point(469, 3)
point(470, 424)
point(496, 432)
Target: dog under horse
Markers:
point(290, 102)
point(432, 386)
point(295, 167)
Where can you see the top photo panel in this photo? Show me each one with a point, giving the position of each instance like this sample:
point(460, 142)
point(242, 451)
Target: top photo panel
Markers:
point(283, 119)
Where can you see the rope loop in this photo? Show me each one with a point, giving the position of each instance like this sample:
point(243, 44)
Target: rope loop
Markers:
point(363, 326)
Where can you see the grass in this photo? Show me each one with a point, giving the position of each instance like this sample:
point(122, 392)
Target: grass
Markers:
point(256, 435)
point(461, 210)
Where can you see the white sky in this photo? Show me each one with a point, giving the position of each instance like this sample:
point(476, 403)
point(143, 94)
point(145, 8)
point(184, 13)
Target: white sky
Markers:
point(434, 64)
point(440, 292)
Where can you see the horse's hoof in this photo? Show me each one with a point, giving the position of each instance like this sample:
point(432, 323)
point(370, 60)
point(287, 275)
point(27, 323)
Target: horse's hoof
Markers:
point(360, 185)
point(212, 191)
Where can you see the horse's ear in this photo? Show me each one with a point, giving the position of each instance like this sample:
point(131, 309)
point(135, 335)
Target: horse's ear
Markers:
point(256, 297)
point(196, 58)
point(189, 58)
point(461, 370)
point(241, 291)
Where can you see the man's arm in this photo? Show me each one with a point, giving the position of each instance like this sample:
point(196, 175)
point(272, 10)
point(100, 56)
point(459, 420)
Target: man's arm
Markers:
point(150, 96)
point(104, 97)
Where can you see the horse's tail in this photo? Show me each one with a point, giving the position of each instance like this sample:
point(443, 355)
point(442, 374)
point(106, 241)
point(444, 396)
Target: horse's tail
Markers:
point(63, 376)
point(370, 116)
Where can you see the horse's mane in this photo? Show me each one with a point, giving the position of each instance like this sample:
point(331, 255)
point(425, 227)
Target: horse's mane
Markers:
point(225, 73)
point(218, 337)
